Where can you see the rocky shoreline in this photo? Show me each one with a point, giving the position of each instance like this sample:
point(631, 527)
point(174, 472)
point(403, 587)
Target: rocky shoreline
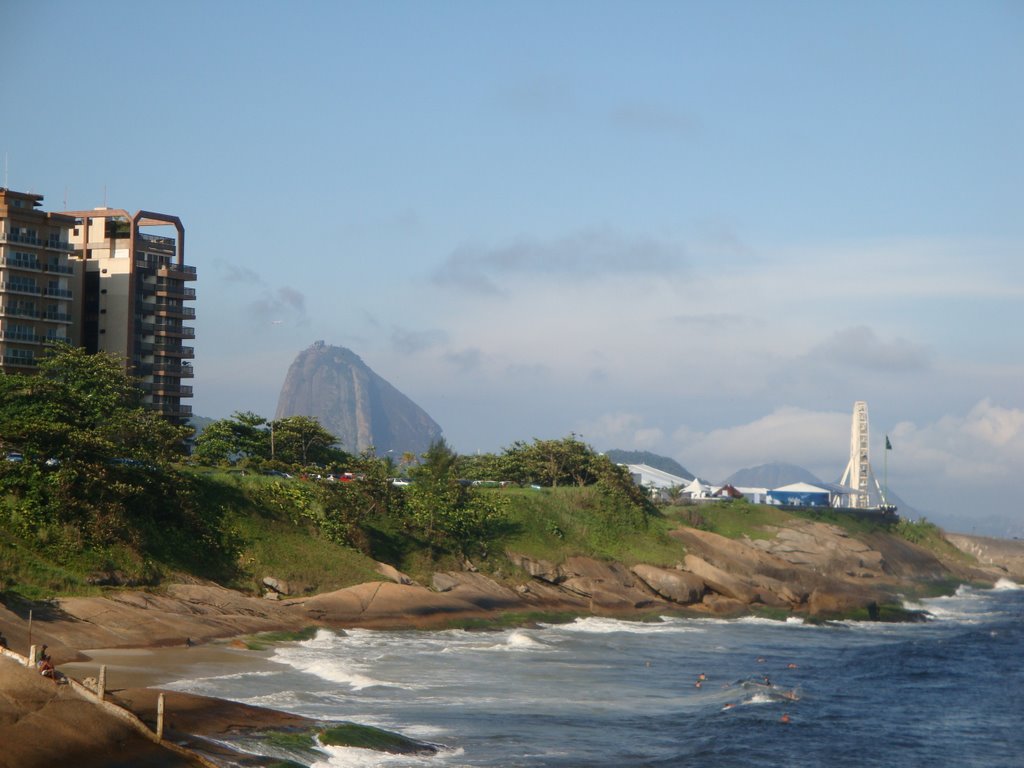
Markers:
point(810, 569)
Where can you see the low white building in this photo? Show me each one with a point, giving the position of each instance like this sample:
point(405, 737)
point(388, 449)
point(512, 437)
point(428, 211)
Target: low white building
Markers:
point(654, 479)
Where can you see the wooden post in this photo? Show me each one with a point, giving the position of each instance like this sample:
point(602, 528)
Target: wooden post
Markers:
point(101, 686)
point(160, 717)
point(33, 656)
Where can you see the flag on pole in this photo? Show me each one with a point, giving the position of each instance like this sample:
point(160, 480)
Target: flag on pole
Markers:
point(888, 445)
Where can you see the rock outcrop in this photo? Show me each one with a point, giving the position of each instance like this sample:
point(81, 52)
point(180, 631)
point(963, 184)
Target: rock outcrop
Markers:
point(361, 409)
point(810, 569)
point(1006, 555)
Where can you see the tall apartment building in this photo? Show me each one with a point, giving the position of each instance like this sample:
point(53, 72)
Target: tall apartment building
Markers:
point(133, 300)
point(37, 280)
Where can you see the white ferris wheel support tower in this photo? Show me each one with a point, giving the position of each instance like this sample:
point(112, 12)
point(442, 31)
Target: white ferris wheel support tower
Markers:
point(858, 471)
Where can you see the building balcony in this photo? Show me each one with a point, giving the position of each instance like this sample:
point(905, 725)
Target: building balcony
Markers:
point(38, 242)
point(9, 311)
point(176, 411)
point(177, 271)
point(175, 290)
point(163, 328)
point(29, 265)
point(11, 361)
point(165, 368)
point(166, 310)
point(56, 317)
point(171, 390)
point(159, 239)
point(58, 293)
point(173, 350)
point(20, 336)
point(34, 265)
point(21, 289)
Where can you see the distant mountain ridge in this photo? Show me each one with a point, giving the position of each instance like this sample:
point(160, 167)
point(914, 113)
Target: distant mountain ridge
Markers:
point(361, 409)
point(774, 475)
point(664, 463)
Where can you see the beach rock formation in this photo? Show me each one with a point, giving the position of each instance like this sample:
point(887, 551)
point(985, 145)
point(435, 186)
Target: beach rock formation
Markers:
point(1005, 555)
point(361, 409)
point(43, 724)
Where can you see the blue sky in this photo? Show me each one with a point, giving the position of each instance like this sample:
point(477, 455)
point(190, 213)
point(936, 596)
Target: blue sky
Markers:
point(702, 229)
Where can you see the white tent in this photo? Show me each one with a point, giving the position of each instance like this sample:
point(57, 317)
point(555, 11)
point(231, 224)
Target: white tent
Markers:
point(698, 489)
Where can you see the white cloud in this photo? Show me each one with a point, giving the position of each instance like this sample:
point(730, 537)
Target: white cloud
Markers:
point(984, 445)
point(815, 440)
point(621, 430)
point(860, 347)
point(581, 256)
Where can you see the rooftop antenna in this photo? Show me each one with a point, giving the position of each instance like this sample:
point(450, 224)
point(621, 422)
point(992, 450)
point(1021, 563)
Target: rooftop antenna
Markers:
point(6, 184)
point(65, 197)
point(104, 195)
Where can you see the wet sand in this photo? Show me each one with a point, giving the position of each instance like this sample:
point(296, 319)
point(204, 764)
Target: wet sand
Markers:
point(155, 667)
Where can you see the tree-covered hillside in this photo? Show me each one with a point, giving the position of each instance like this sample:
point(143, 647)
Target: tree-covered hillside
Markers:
point(99, 491)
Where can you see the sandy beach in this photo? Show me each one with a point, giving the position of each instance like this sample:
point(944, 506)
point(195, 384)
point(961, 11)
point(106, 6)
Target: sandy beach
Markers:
point(154, 667)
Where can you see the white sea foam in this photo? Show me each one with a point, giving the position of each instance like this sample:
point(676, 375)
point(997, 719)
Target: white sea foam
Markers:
point(324, 638)
point(352, 757)
point(791, 621)
point(967, 606)
point(519, 640)
point(286, 701)
point(603, 626)
point(320, 664)
point(1005, 585)
point(213, 682)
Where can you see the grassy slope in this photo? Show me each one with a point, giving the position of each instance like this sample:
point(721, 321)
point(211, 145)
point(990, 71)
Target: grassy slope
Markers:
point(550, 524)
point(556, 523)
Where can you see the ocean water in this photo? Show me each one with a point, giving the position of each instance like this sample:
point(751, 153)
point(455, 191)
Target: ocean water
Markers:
point(603, 692)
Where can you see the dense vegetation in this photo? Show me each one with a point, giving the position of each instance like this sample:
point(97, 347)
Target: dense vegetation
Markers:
point(98, 491)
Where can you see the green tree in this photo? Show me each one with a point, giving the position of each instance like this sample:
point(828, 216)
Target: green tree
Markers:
point(449, 512)
point(568, 461)
point(243, 436)
point(302, 440)
point(95, 458)
point(83, 408)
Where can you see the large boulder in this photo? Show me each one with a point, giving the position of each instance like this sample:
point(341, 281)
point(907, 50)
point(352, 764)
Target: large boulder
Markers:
point(391, 573)
point(476, 589)
point(608, 586)
point(823, 548)
point(720, 581)
point(675, 585)
point(544, 570)
point(740, 557)
point(839, 599)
